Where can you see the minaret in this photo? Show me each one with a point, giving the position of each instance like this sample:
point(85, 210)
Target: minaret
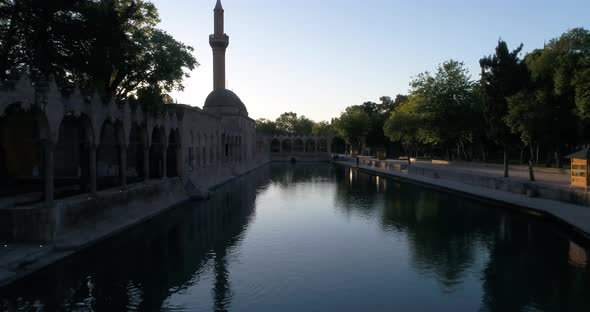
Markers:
point(218, 42)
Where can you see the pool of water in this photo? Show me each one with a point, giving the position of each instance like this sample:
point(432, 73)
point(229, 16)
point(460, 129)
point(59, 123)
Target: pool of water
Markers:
point(318, 237)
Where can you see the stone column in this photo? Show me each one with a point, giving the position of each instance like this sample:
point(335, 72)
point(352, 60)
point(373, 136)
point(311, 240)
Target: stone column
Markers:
point(146, 163)
point(48, 171)
point(179, 160)
point(92, 168)
point(164, 161)
point(123, 165)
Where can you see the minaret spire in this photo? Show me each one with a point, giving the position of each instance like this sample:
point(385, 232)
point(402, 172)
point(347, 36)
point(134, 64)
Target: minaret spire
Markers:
point(218, 42)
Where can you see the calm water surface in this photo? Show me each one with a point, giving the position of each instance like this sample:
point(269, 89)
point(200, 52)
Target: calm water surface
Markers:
point(322, 238)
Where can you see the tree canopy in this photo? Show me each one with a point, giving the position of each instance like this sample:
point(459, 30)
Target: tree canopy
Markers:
point(110, 46)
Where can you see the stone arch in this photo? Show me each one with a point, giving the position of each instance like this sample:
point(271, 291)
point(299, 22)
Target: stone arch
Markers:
point(240, 148)
point(287, 146)
point(298, 146)
point(23, 157)
point(76, 140)
point(218, 147)
point(156, 157)
point(204, 150)
point(108, 155)
point(136, 151)
point(322, 146)
point(310, 146)
point(275, 146)
point(172, 154)
point(191, 149)
point(198, 151)
point(225, 143)
point(338, 146)
point(211, 149)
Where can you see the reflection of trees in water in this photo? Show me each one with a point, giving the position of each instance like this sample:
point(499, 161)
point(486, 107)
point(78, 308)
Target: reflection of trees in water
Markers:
point(286, 175)
point(145, 265)
point(357, 192)
point(443, 230)
point(528, 263)
point(529, 268)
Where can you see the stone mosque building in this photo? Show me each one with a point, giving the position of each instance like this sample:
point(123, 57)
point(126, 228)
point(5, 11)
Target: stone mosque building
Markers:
point(69, 160)
point(66, 160)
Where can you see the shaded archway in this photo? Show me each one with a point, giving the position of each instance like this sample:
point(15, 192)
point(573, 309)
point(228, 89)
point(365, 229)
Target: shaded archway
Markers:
point(108, 156)
point(323, 145)
point(338, 146)
point(23, 151)
point(172, 153)
point(136, 154)
point(204, 150)
point(72, 155)
point(191, 148)
point(157, 153)
point(225, 143)
point(298, 146)
point(310, 146)
point(275, 146)
point(198, 151)
point(287, 146)
point(211, 149)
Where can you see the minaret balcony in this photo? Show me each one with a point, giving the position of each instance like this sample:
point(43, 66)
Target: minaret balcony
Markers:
point(218, 41)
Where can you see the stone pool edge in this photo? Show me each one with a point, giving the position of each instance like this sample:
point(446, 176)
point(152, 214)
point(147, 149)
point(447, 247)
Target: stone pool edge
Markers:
point(576, 218)
point(30, 263)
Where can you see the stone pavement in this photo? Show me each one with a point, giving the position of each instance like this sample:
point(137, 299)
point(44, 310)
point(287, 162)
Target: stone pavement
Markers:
point(577, 217)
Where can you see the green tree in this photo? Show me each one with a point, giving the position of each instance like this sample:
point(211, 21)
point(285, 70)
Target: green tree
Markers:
point(111, 46)
point(527, 117)
point(353, 125)
point(323, 129)
point(503, 74)
point(304, 126)
point(286, 123)
point(561, 70)
point(289, 123)
point(403, 125)
point(266, 126)
point(444, 101)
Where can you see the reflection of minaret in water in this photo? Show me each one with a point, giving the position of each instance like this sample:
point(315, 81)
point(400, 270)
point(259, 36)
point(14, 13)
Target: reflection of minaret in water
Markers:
point(219, 42)
point(221, 289)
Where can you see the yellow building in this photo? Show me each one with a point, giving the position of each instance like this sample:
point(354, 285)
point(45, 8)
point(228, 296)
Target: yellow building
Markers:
point(579, 171)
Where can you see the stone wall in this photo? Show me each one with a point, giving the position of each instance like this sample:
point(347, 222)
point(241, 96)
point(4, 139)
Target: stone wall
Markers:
point(58, 146)
point(568, 195)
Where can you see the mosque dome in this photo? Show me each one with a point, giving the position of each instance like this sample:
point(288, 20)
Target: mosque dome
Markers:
point(223, 101)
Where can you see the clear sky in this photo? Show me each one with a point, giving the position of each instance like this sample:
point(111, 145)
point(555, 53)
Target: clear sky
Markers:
point(316, 57)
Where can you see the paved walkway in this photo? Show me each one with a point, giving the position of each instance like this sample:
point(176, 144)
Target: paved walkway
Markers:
point(548, 176)
point(577, 217)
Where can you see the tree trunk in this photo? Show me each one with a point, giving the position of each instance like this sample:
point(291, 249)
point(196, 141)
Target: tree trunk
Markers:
point(538, 147)
point(558, 162)
point(464, 152)
point(483, 152)
point(506, 175)
point(531, 172)
point(407, 152)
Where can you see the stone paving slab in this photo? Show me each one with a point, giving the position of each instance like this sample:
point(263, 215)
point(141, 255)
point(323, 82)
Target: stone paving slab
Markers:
point(578, 217)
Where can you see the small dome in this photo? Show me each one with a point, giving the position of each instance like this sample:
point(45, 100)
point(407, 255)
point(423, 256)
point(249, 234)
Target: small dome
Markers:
point(224, 101)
